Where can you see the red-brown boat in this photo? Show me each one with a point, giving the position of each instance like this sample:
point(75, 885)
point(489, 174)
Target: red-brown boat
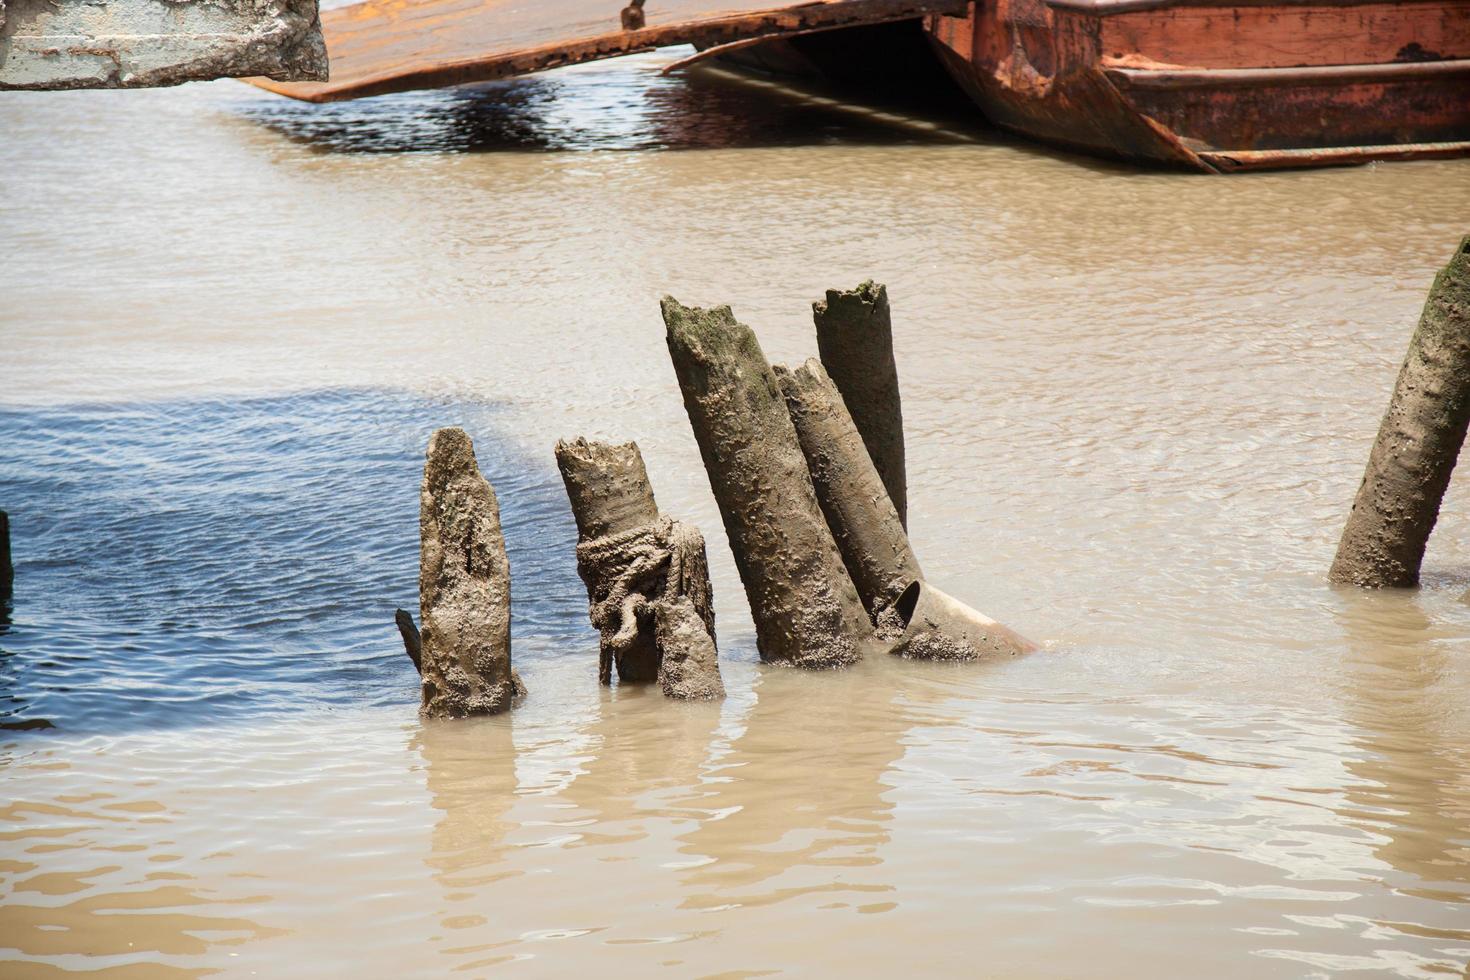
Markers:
point(1215, 85)
point(1221, 84)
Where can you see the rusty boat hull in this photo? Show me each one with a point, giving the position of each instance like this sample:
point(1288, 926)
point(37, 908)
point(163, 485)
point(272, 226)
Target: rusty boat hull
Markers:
point(1220, 85)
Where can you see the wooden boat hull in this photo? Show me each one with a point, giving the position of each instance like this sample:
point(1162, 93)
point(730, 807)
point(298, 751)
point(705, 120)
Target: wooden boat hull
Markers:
point(1220, 85)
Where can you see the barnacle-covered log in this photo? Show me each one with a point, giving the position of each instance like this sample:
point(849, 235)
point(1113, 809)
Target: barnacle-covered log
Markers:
point(864, 523)
point(855, 340)
point(1418, 443)
point(807, 612)
point(464, 586)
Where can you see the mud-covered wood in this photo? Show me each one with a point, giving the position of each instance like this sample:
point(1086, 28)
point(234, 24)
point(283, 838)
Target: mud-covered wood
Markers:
point(1418, 443)
point(875, 548)
point(609, 491)
point(464, 586)
point(71, 44)
point(855, 339)
point(647, 575)
point(806, 609)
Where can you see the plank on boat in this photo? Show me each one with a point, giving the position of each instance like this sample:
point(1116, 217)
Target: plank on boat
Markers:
point(382, 46)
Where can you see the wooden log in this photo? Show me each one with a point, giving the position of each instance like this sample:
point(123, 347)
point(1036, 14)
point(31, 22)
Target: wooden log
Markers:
point(807, 612)
point(936, 626)
point(464, 586)
point(874, 545)
point(413, 644)
point(855, 340)
point(635, 563)
point(7, 570)
point(610, 495)
point(1418, 443)
point(689, 668)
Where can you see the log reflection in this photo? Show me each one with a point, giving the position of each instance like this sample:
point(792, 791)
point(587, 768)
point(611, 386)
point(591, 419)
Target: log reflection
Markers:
point(1405, 698)
point(798, 806)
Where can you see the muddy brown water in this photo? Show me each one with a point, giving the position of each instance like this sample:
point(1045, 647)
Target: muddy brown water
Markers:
point(1137, 406)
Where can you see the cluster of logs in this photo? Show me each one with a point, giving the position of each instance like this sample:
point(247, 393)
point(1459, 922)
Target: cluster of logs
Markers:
point(807, 468)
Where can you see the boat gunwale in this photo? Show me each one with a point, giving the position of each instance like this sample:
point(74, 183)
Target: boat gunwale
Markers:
point(1186, 78)
point(1107, 8)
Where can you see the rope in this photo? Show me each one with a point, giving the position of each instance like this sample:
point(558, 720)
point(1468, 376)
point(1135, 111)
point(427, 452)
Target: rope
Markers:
point(625, 569)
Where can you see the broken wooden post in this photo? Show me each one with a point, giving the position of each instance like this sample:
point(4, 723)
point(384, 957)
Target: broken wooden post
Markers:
point(855, 340)
point(864, 523)
point(807, 612)
point(7, 570)
point(464, 586)
point(45, 44)
point(413, 644)
point(1418, 443)
point(635, 563)
point(610, 495)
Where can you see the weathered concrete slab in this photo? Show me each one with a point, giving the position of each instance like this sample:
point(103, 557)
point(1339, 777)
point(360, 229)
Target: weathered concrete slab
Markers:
point(382, 46)
point(71, 44)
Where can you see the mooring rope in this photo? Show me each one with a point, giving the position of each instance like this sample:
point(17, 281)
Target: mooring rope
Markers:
point(624, 569)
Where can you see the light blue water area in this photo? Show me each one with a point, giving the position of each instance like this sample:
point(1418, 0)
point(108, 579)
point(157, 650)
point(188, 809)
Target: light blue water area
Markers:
point(178, 561)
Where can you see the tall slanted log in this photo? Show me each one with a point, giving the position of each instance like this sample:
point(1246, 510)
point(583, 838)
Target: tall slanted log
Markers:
point(855, 340)
point(464, 586)
point(860, 514)
point(807, 612)
point(1418, 443)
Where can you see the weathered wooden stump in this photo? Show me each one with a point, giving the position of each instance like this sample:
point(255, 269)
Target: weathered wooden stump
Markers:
point(464, 586)
point(638, 566)
point(807, 612)
point(1418, 443)
point(874, 545)
point(855, 340)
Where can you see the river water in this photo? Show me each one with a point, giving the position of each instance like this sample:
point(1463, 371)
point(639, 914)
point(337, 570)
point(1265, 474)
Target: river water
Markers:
point(1137, 407)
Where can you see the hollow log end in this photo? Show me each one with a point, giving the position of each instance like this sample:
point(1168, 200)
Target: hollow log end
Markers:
point(868, 298)
point(607, 485)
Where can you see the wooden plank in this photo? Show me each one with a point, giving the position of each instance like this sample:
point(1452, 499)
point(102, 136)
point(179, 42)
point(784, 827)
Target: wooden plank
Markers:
point(69, 44)
point(382, 46)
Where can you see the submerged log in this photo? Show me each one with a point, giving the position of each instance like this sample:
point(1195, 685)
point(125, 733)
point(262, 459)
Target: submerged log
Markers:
point(464, 586)
point(647, 576)
point(807, 612)
point(1418, 443)
point(413, 644)
point(937, 626)
point(855, 340)
point(864, 523)
point(7, 570)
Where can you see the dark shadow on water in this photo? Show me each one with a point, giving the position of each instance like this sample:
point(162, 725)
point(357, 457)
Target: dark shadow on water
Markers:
point(192, 561)
point(624, 104)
